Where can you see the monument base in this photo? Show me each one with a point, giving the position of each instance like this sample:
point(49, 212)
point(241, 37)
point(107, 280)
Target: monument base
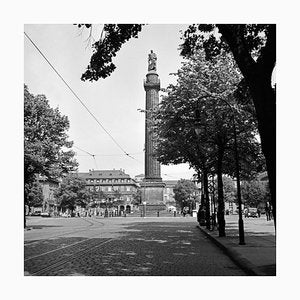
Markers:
point(153, 195)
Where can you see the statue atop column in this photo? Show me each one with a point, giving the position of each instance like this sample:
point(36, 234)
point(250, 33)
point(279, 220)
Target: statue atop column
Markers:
point(152, 58)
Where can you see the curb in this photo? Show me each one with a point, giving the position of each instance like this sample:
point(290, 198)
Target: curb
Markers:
point(240, 261)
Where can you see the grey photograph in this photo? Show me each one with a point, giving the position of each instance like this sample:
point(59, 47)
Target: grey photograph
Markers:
point(150, 150)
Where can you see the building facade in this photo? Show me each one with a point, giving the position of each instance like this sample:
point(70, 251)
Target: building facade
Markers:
point(118, 187)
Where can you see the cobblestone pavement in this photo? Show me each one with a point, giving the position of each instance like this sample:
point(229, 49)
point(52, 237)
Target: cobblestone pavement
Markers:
point(122, 247)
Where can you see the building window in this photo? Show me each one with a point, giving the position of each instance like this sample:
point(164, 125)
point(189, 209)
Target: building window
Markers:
point(109, 188)
point(128, 188)
point(92, 180)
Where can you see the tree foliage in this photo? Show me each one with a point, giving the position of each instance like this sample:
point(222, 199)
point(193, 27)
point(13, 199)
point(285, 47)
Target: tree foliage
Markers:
point(45, 140)
point(254, 49)
point(34, 194)
point(204, 98)
point(184, 192)
point(198, 98)
point(254, 192)
point(112, 38)
point(208, 37)
point(229, 189)
point(71, 192)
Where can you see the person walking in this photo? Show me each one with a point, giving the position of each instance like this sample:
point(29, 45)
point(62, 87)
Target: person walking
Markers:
point(267, 208)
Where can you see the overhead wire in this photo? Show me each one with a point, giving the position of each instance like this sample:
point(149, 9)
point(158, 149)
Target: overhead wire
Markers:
point(72, 91)
point(88, 154)
point(82, 103)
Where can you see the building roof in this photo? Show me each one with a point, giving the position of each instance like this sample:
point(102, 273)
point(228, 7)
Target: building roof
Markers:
point(140, 175)
point(103, 174)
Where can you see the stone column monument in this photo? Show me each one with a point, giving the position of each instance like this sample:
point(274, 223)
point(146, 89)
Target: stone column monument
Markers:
point(152, 185)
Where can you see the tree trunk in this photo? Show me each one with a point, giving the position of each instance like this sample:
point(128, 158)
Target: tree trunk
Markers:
point(221, 205)
point(265, 105)
point(206, 197)
point(258, 77)
point(25, 215)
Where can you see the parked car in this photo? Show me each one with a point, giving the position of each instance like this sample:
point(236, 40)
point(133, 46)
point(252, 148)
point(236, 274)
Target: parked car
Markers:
point(36, 213)
point(45, 214)
point(251, 213)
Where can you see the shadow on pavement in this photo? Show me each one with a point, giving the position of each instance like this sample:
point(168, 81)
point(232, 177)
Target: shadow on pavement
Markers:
point(142, 249)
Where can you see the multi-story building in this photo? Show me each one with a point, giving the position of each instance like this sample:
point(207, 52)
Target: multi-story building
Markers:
point(115, 184)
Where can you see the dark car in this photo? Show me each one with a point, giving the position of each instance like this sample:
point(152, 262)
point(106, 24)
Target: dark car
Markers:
point(251, 212)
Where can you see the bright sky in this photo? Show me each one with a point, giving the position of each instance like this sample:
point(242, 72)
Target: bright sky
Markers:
point(114, 101)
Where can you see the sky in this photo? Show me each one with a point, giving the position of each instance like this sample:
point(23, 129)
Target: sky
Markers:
point(114, 100)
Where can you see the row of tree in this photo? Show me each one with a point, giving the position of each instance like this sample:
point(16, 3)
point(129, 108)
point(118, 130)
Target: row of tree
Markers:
point(255, 193)
point(198, 119)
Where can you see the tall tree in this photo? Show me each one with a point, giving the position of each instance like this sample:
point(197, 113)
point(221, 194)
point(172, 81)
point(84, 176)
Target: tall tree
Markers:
point(229, 189)
point(254, 192)
point(71, 192)
point(254, 49)
point(45, 141)
point(34, 194)
point(184, 192)
point(206, 88)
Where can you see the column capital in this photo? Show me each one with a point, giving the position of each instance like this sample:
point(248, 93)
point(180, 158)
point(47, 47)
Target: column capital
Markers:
point(152, 81)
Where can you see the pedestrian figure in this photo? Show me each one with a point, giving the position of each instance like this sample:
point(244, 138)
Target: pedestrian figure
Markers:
point(270, 212)
point(267, 208)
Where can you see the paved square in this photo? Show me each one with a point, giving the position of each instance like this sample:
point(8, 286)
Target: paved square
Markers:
point(121, 247)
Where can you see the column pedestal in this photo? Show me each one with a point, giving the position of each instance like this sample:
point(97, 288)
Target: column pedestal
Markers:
point(152, 195)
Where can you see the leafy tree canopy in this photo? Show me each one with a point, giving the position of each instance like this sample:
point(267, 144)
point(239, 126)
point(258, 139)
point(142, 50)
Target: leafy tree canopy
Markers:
point(71, 192)
point(184, 191)
point(208, 37)
point(34, 194)
point(204, 97)
point(112, 38)
point(45, 140)
point(254, 192)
